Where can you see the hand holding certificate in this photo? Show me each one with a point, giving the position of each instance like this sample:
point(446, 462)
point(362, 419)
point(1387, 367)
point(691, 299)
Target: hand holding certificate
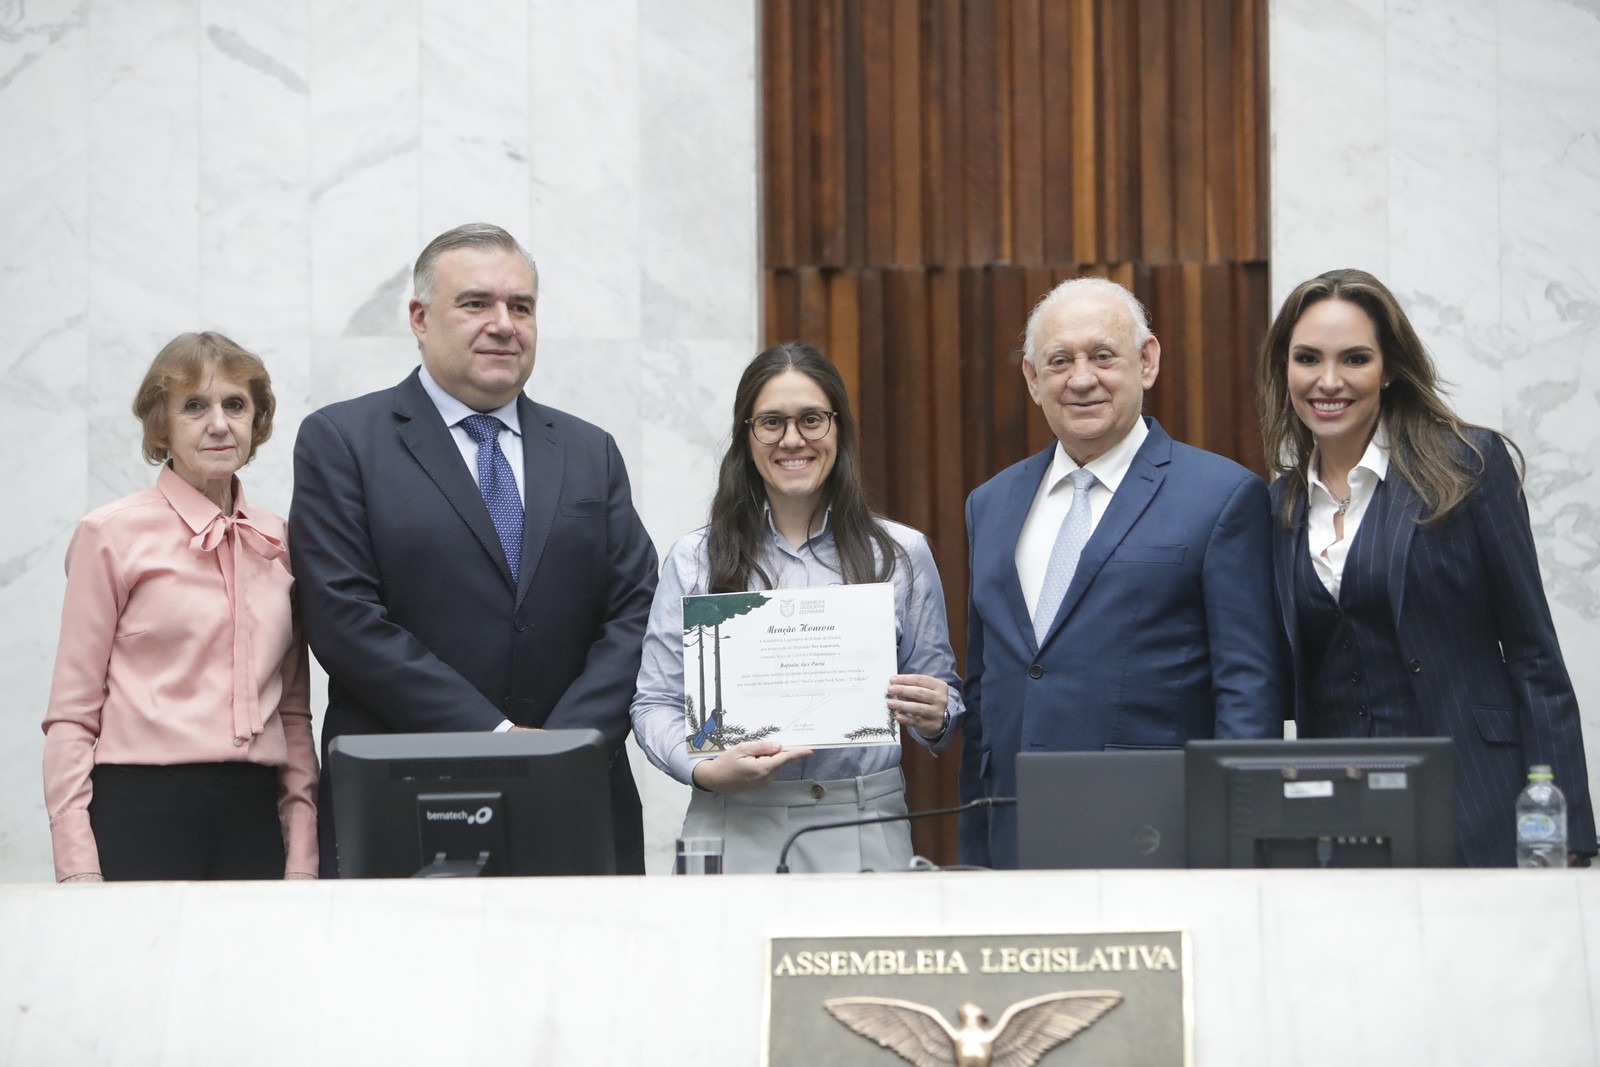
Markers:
point(801, 667)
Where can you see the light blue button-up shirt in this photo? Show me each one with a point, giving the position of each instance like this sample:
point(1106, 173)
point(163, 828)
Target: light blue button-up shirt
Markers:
point(921, 631)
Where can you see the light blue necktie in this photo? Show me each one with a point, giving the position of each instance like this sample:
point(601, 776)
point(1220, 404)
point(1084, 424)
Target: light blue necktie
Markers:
point(498, 486)
point(1070, 539)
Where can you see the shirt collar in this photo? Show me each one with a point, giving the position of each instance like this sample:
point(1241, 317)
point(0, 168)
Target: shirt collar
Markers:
point(1110, 467)
point(194, 507)
point(1375, 461)
point(783, 542)
point(453, 410)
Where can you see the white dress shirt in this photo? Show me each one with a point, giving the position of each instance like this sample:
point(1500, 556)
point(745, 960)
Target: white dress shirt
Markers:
point(1054, 497)
point(453, 411)
point(1328, 551)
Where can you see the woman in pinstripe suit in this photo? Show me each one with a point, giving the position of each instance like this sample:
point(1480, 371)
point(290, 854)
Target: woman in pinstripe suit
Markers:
point(1405, 563)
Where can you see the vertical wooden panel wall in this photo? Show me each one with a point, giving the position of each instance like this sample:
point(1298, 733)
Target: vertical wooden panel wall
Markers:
point(933, 167)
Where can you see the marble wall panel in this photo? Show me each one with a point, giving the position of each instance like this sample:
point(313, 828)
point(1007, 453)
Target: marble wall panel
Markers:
point(1329, 130)
point(42, 410)
point(343, 366)
point(476, 133)
point(598, 381)
point(44, 116)
point(365, 142)
point(271, 171)
point(584, 211)
point(143, 177)
point(1550, 159)
point(697, 228)
point(270, 476)
point(254, 163)
point(688, 388)
point(1443, 139)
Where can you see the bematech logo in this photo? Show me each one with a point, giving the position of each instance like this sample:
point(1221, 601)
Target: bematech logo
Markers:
point(474, 818)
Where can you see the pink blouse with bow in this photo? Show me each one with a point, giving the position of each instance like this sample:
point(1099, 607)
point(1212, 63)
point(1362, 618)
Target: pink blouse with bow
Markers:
point(179, 644)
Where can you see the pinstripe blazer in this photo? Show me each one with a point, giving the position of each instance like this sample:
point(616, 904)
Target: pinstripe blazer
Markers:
point(1477, 647)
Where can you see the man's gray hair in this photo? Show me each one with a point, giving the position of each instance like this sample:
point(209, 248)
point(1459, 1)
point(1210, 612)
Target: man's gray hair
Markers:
point(472, 235)
point(1084, 287)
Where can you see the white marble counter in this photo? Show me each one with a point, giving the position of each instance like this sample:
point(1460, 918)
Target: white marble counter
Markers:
point(1291, 969)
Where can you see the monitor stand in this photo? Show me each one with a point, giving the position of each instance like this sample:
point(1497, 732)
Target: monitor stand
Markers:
point(443, 868)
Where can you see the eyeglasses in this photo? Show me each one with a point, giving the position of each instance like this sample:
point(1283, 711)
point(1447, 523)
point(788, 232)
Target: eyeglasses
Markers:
point(770, 429)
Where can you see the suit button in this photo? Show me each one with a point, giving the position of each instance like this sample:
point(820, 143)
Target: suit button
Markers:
point(521, 626)
point(1362, 710)
point(1416, 666)
point(238, 742)
point(1035, 671)
point(817, 792)
point(1345, 644)
point(1355, 676)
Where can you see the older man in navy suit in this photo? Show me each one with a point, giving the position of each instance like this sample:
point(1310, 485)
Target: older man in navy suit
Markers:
point(1121, 590)
point(465, 558)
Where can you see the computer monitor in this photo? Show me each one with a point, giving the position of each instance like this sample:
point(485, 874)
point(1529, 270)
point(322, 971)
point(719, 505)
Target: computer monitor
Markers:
point(463, 804)
point(1348, 802)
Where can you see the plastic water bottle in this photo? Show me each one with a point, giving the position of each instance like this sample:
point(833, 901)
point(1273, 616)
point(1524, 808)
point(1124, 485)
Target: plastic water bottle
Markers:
point(1541, 821)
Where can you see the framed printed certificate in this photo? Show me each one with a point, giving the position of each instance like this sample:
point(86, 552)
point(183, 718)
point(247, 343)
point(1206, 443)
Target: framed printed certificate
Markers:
point(805, 667)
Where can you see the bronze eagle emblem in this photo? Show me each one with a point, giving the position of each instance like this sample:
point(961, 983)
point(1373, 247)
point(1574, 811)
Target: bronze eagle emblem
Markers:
point(922, 1036)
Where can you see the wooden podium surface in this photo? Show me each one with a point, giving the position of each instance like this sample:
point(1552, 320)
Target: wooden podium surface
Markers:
point(1288, 968)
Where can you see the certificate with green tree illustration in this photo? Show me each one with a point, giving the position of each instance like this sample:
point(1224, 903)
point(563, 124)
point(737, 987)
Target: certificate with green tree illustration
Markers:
point(806, 667)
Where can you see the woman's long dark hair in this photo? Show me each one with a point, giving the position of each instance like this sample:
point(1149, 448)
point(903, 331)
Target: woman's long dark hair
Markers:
point(738, 527)
point(1428, 444)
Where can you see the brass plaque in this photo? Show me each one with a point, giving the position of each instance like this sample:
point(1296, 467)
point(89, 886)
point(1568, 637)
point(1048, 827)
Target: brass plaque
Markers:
point(1010, 1000)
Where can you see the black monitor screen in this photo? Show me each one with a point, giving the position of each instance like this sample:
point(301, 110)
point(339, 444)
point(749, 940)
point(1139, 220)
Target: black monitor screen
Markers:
point(1349, 802)
point(436, 805)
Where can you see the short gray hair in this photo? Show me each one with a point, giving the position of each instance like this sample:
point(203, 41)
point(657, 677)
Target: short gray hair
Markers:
point(472, 235)
point(1084, 287)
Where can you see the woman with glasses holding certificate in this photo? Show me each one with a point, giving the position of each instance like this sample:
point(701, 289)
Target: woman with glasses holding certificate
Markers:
point(790, 513)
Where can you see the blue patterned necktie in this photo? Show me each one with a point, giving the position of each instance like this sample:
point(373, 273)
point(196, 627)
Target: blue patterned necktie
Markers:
point(498, 486)
point(1070, 539)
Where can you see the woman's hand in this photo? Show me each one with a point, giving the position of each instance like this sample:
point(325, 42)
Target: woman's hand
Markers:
point(87, 877)
point(921, 702)
point(744, 766)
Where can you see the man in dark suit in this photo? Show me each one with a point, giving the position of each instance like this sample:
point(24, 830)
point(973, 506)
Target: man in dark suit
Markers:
point(1121, 591)
point(465, 558)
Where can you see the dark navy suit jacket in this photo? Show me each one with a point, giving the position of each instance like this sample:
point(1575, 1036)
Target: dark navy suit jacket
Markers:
point(1478, 648)
point(408, 601)
point(1168, 631)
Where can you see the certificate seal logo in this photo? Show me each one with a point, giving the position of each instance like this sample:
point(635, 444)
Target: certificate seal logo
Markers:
point(786, 607)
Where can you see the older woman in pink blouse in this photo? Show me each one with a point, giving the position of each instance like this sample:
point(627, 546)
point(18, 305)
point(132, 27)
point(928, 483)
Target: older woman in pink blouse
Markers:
point(178, 737)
